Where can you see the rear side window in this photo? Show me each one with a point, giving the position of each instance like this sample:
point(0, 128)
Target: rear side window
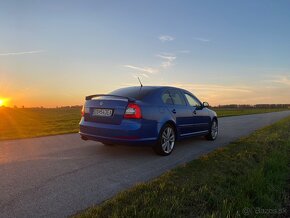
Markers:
point(177, 98)
point(166, 98)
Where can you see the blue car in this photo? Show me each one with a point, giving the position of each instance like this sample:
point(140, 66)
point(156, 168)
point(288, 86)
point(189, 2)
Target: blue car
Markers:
point(152, 115)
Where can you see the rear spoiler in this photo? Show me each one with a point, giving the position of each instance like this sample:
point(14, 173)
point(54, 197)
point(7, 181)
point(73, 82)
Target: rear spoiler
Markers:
point(117, 96)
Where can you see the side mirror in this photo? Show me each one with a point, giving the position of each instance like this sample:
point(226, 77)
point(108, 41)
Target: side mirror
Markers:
point(205, 104)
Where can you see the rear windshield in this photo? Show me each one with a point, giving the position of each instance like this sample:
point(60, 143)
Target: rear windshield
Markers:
point(133, 92)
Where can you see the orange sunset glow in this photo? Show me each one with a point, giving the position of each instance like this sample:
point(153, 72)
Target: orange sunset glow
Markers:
point(58, 60)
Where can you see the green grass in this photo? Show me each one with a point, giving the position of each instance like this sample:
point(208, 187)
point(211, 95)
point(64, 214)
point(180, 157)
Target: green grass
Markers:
point(27, 123)
point(225, 112)
point(249, 173)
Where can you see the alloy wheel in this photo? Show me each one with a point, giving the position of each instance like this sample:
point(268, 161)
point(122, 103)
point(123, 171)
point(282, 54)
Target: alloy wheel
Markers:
point(214, 129)
point(168, 140)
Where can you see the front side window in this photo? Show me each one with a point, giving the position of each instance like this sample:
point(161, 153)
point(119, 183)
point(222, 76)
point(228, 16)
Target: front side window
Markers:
point(192, 101)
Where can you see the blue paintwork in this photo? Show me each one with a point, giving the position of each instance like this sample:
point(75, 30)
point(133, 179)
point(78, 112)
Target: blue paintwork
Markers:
point(187, 120)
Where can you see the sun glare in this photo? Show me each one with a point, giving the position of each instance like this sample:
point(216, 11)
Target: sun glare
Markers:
point(1, 102)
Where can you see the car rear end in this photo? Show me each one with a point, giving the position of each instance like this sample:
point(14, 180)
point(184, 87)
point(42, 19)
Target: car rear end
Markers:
point(116, 119)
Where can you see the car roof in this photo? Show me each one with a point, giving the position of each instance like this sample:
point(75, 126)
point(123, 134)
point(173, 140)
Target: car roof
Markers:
point(138, 92)
point(149, 87)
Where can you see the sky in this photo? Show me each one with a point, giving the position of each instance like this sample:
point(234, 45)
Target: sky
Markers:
point(54, 53)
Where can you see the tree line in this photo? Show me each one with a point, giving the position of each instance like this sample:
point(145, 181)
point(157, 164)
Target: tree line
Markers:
point(253, 106)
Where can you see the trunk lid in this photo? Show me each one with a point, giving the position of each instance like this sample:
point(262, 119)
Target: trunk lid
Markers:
point(108, 109)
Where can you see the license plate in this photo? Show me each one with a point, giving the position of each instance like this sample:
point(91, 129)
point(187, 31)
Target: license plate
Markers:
point(102, 112)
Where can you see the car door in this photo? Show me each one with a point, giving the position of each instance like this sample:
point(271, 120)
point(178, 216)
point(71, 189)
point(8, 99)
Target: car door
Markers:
point(180, 111)
point(200, 118)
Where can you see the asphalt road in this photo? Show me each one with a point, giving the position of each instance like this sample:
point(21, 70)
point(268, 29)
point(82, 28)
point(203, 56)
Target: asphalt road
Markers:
point(57, 176)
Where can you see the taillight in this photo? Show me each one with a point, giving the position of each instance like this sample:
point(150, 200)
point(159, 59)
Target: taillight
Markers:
point(133, 111)
point(83, 111)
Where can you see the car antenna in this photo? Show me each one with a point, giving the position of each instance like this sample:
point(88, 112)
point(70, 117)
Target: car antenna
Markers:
point(140, 82)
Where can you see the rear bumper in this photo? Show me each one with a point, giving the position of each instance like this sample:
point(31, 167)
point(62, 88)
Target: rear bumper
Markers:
point(143, 141)
point(128, 132)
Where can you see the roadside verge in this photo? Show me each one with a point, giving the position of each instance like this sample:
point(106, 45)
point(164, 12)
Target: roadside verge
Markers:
point(246, 178)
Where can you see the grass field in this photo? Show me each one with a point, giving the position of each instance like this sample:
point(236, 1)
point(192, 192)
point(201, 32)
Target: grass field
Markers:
point(26, 123)
point(224, 112)
point(248, 178)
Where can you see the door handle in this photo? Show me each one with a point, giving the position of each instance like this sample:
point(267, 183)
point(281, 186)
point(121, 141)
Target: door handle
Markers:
point(174, 111)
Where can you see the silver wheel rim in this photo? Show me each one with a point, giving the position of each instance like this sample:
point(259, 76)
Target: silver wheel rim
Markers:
point(168, 140)
point(214, 129)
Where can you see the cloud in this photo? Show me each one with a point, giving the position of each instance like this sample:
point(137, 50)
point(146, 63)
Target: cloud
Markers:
point(201, 39)
point(140, 75)
point(214, 87)
point(167, 60)
point(217, 94)
point(149, 70)
point(281, 79)
point(166, 38)
point(22, 53)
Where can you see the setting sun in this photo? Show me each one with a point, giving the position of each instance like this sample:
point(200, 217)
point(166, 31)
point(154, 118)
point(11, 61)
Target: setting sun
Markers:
point(3, 102)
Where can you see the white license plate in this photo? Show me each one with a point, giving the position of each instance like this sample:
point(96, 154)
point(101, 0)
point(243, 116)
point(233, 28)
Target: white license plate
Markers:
point(102, 112)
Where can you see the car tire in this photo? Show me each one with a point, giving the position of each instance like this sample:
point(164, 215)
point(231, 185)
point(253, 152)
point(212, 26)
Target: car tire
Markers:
point(166, 141)
point(213, 131)
point(84, 138)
